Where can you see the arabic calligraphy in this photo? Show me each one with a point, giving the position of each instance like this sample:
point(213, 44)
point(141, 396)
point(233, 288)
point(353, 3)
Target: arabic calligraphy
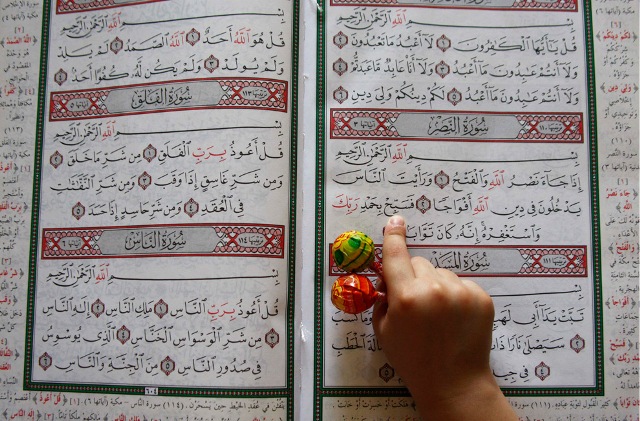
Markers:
point(165, 182)
point(474, 126)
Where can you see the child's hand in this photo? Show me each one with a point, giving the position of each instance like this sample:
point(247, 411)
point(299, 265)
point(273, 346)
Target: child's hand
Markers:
point(435, 329)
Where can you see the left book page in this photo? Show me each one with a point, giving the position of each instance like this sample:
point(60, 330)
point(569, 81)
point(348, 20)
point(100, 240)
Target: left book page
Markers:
point(162, 247)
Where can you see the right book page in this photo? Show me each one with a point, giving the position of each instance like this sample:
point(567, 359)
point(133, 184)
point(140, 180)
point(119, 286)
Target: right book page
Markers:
point(476, 122)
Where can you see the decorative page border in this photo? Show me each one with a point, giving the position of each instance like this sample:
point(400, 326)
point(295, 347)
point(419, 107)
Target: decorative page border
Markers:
point(288, 392)
point(452, 126)
point(558, 5)
point(244, 240)
point(517, 262)
point(72, 6)
point(320, 391)
point(155, 97)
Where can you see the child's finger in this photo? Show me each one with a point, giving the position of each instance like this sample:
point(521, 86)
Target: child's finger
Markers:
point(396, 260)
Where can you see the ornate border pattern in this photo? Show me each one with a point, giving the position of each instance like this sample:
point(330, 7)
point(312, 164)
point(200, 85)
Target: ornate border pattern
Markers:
point(71, 6)
point(560, 5)
point(93, 103)
point(271, 239)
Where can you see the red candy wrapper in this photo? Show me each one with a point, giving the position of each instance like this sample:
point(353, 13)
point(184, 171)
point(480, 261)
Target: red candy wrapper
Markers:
point(353, 293)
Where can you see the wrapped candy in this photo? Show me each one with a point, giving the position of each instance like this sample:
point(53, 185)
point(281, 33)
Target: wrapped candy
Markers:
point(354, 251)
point(354, 293)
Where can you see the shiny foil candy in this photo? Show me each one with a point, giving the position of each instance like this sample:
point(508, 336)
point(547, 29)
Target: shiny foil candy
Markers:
point(353, 293)
point(353, 251)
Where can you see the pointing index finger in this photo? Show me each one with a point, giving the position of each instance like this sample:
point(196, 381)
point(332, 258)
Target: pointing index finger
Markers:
point(396, 260)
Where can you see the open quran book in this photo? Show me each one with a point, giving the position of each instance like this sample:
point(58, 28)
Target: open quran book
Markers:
point(193, 160)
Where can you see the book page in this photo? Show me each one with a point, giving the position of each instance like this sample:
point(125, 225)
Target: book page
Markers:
point(477, 123)
point(26, 31)
point(164, 203)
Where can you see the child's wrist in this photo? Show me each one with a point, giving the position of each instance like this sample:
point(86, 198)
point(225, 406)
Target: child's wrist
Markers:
point(478, 398)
